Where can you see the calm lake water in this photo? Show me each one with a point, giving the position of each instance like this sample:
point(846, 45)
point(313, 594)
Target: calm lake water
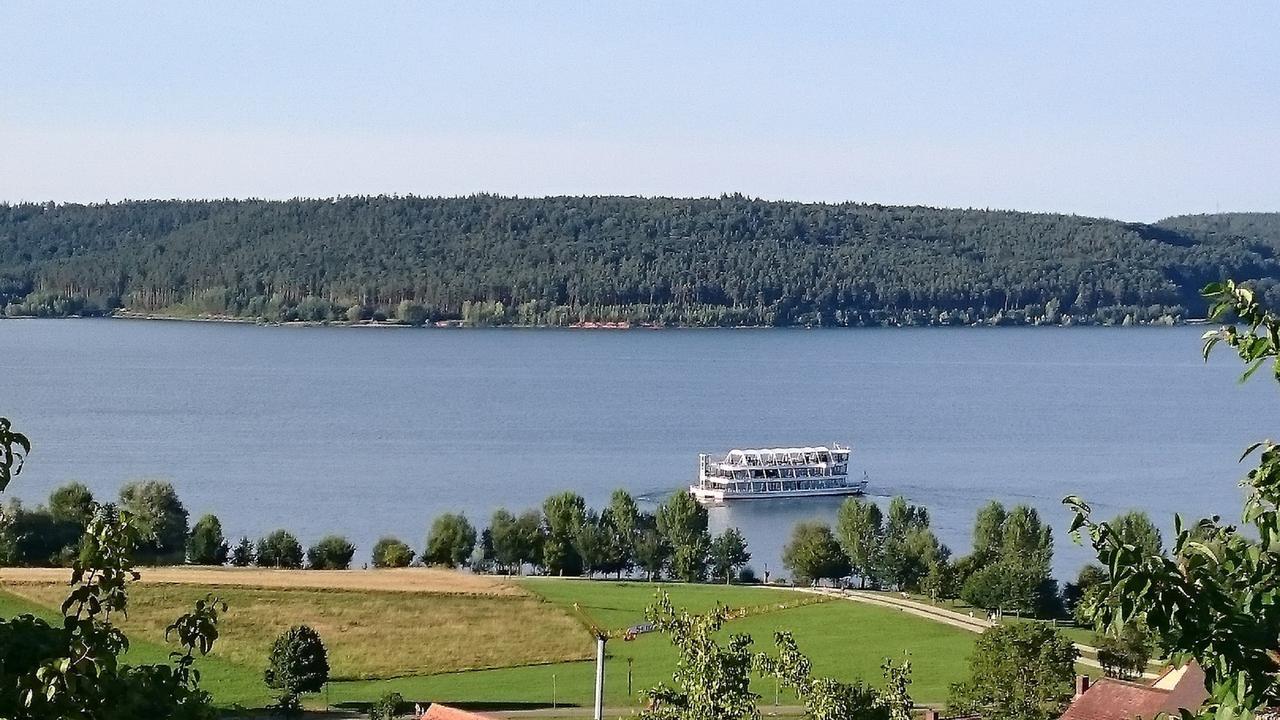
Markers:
point(367, 432)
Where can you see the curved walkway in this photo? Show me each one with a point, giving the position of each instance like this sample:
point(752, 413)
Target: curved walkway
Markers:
point(1088, 653)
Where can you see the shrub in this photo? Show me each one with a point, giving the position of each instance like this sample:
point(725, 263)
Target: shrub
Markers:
point(1125, 655)
point(391, 552)
point(332, 552)
point(207, 546)
point(386, 707)
point(280, 549)
point(298, 664)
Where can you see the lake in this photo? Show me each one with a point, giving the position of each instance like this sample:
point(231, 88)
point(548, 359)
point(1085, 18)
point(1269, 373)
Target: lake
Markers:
point(367, 432)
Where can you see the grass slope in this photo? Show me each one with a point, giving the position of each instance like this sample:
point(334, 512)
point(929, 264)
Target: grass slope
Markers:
point(368, 634)
point(228, 682)
point(530, 641)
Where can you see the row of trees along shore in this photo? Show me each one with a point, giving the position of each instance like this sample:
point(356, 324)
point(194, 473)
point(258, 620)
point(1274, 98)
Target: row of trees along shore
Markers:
point(1007, 570)
point(727, 261)
point(563, 537)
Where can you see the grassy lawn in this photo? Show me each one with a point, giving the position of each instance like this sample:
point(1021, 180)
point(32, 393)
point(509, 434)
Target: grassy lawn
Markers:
point(228, 682)
point(426, 645)
point(368, 634)
point(619, 605)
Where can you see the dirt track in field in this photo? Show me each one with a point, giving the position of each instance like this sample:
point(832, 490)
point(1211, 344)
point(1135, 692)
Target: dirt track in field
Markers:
point(414, 580)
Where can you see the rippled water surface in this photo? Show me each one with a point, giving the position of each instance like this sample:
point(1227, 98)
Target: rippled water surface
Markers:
point(373, 431)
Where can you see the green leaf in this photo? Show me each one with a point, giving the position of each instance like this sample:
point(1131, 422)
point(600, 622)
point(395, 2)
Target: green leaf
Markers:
point(1253, 368)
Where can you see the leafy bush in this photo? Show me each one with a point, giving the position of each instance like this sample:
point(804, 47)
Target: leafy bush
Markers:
point(298, 664)
point(386, 707)
point(390, 552)
point(280, 549)
point(332, 552)
point(1125, 655)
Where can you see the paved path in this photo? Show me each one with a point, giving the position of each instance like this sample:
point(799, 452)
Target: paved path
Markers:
point(1088, 653)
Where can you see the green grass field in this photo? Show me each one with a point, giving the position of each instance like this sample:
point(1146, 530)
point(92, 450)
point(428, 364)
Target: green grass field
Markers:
point(844, 639)
point(229, 683)
point(369, 634)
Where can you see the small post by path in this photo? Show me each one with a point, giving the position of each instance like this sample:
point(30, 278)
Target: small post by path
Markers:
point(553, 691)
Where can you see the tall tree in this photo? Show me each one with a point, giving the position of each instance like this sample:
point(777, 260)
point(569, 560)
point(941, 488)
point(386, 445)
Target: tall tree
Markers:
point(563, 516)
point(280, 549)
point(1136, 528)
point(1022, 671)
point(813, 554)
point(72, 503)
point(207, 545)
point(1027, 539)
point(162, 518)
point(860, 530)
point(901, 563)
point(390, 552)
point(71, 507)
point(451, 540)
point(243, 554)
point(624, 518)
point(331, 552)
point(728, 553)
point(591, 543)
point(683, 523)
point(508, 542)
point(532, 537)
point(652, 551)
point(988, 532)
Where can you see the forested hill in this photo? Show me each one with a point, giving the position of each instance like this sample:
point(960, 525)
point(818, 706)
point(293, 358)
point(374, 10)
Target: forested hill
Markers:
point(561, 260)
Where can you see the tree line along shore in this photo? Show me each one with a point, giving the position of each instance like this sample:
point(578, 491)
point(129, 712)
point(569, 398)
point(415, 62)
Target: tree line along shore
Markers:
point(1007, 570)
point(730, 261)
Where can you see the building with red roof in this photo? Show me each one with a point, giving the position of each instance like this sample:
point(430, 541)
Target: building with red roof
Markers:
point(1108, 699)
point(444, 712)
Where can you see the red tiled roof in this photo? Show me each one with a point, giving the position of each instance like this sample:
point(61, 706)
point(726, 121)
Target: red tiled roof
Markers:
point(444, 712)
point(1109, 699)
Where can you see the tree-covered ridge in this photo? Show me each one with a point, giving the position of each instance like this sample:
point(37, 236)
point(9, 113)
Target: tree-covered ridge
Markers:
point(724, 261)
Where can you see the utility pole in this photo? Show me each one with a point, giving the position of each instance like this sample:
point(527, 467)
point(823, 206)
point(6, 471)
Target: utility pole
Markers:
point(601, 639)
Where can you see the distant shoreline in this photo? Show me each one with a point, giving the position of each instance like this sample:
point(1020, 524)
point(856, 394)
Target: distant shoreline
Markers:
point(590, 325)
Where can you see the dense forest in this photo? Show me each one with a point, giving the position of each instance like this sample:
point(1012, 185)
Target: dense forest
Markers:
point(489, 260)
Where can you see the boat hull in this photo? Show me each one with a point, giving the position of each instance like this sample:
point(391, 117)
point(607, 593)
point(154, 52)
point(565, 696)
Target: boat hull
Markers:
point(712, 495)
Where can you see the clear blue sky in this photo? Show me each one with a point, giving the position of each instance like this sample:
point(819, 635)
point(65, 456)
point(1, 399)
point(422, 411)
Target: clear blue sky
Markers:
point(1122, 109)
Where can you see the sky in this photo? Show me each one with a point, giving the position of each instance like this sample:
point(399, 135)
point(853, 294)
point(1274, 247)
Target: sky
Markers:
point(1131, 110)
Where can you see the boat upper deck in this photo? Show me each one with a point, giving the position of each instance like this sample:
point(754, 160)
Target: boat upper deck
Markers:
point(785, 457)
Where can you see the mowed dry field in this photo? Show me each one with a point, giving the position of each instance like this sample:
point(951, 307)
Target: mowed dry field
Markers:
point(375, 623)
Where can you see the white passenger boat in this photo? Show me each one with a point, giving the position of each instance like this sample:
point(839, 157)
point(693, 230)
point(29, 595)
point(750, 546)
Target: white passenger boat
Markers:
point(789, 472)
